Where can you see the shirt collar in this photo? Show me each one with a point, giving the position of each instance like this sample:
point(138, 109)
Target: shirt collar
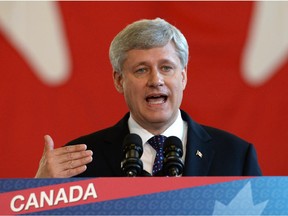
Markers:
point(176, 129)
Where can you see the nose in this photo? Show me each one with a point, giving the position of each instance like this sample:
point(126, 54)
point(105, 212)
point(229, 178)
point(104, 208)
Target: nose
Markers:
point(155, 79)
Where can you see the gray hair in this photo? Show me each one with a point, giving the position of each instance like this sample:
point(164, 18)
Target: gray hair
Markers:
point(147, 34)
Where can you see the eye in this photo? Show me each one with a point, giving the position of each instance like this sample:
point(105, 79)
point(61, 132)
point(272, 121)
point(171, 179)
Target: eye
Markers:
point(141, 70)
point(166, 68)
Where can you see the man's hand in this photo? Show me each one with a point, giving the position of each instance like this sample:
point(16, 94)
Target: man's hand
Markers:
point(63, 162)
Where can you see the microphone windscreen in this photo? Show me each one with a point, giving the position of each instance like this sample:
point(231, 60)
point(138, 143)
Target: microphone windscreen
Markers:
point(173, 151)
point(133, 141)
point(173, 141)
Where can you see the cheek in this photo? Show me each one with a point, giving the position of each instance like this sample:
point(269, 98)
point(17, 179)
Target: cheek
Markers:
point(177, 85)
point(134, 86)
point(177, 88)
point(133, 98)
point(131, 90)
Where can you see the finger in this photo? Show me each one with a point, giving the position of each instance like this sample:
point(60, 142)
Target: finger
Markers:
point(74, 156)
point(73, 172)
point(48, 143)
point(43, 169)
point(75, 167)
point(77, 163)
point(70, 149)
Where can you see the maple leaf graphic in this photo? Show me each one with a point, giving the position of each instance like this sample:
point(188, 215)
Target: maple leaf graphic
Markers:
point(267, 45)
point(242, 204)
point(36, 30)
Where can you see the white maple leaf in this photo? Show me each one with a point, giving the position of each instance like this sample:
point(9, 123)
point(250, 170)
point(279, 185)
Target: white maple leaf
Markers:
point(242, 204)
point(267, 45)
point(35, 30)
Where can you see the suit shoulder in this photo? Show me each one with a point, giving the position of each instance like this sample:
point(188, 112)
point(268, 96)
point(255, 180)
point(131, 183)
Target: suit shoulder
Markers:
point(222, 136)
point(92, 137)
point(238, 155)
point(112, 133)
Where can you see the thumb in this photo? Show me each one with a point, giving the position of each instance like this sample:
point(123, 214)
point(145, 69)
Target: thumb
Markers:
point(49, 143)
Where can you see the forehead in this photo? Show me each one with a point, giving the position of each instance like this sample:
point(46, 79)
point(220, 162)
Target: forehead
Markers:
point(152, 55)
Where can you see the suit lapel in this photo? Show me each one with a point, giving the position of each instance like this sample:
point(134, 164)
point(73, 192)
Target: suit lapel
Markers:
point(199, 151)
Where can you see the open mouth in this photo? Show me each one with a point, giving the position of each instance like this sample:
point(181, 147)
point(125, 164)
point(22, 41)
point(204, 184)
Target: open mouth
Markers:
point(156, 99)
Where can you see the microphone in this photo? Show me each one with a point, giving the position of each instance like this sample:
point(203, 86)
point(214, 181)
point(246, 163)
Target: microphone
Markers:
point(173, 150)
point(132, 149)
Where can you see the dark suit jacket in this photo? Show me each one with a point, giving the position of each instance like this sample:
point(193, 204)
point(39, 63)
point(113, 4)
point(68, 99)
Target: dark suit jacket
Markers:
point(223, 154)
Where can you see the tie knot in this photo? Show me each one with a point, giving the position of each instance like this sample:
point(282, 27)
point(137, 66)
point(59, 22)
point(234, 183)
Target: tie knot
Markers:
point(157, 142)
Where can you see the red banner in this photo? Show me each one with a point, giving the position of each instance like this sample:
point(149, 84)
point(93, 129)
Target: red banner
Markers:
point(93, 190)
point(56, 76)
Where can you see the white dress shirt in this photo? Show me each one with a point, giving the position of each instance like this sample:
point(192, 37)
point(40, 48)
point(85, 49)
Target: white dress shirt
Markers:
point(178, 128)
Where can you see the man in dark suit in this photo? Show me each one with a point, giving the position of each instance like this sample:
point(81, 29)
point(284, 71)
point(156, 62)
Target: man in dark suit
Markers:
point(149, 60)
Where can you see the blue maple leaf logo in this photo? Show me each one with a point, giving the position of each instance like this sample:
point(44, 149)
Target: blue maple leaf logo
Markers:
point(242, 204)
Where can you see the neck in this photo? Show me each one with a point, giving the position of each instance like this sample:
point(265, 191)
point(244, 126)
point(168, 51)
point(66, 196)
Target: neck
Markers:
point(156, 128)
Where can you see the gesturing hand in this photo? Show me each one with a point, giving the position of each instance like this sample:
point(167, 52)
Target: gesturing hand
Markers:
point(63, 162)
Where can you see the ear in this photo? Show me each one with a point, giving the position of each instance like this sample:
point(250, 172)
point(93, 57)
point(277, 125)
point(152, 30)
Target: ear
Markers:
point(118, 81)
point(184, 77)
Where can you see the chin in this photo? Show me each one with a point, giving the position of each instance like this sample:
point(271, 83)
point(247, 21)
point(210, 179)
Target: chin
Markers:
point(159, 117)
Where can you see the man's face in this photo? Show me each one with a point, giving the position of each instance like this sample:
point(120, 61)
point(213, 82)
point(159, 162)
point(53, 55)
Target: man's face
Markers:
point(152, 82)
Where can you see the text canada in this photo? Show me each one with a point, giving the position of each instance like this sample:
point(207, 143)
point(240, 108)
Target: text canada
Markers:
point(52, 197)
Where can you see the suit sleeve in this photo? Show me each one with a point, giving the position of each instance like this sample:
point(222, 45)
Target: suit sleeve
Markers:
point(251, 166)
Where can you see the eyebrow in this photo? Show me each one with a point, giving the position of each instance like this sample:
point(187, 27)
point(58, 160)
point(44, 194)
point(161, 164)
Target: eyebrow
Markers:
point(162, 61)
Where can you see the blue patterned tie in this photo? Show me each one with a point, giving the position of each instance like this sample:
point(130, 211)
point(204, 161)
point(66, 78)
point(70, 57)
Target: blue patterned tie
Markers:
point(157, 143)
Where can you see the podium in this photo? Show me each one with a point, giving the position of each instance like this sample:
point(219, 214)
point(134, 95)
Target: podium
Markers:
point(146, 196)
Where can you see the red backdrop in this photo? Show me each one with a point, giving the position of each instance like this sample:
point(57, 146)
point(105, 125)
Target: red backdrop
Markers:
point(217, 94)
